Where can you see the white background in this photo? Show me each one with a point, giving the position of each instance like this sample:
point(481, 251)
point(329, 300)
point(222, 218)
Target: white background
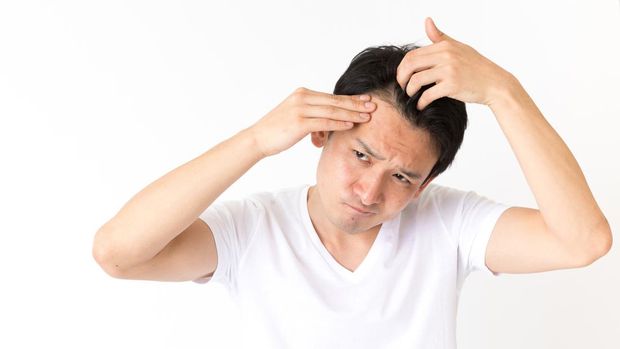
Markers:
point(99, 99)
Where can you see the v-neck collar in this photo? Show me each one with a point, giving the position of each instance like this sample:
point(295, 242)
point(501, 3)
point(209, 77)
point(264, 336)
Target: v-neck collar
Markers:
point(385, 237)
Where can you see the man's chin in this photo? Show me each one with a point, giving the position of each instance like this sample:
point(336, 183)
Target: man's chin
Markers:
point(356, 225)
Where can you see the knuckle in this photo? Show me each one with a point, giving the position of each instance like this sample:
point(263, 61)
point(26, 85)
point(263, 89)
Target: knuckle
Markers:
point(399, 69)
point(413, 80)
point(295, 99)
point(299, 96)
point(335, 100)
point(357, 104)
point(300, 93)
point(331, 109)
point(340, 123)
point(404, 64)
point(411, 86)
point(423, 99)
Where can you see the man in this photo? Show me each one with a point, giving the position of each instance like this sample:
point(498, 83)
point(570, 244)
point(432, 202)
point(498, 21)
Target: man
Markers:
point(373, 255)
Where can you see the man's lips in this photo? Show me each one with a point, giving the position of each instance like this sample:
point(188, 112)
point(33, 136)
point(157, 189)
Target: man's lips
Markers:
point(360, 210)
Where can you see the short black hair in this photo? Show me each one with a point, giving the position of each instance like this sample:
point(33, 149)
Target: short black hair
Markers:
point(445, 119)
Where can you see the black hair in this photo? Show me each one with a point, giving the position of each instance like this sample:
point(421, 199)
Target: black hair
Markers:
point(445, 119)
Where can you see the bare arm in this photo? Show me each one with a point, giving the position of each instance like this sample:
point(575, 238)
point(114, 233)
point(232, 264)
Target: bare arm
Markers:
point(165, 208)
point(146, 225)
point(568, 230)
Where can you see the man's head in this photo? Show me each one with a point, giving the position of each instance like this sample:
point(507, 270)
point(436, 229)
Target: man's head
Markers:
point(415, 146)
point(373, 71)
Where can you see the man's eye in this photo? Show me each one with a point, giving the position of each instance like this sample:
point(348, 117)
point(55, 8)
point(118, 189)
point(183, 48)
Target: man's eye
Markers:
point(359, 154)
point(401, 178)
point(404, 180)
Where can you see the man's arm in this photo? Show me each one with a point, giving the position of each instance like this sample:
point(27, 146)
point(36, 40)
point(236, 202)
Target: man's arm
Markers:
point(158, 213)
point(568, 229)
point(167, 207)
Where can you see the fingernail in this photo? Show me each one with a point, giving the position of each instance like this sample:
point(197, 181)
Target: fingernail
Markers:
point(365, 97)
point(368, 104)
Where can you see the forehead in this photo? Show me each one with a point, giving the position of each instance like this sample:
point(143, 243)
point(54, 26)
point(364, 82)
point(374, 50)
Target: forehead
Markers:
point(393, 137)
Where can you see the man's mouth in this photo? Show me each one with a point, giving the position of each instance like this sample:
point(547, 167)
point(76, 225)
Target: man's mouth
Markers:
point(359, 210)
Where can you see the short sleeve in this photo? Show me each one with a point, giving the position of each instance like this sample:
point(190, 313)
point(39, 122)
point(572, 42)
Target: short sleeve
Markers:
point(233, 224)
point(476, 221)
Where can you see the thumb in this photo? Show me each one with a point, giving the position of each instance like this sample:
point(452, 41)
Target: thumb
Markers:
point(432, 32)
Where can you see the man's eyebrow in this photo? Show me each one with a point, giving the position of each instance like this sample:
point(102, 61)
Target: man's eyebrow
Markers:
point(372, 153)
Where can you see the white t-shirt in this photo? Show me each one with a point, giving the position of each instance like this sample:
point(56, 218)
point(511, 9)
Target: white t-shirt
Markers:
point(292, 293)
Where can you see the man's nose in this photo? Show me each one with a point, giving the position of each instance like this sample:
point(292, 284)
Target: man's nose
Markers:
point(370, 189)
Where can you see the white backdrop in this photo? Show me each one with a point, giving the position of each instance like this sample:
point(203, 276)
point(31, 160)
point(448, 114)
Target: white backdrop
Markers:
point(99, 99)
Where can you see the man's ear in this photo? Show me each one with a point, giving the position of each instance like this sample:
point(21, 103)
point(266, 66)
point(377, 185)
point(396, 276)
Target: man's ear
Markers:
point(319, 138)
point(419, 191)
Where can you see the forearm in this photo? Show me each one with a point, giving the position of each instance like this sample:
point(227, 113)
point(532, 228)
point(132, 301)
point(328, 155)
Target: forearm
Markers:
point(163, 209)
point(552, 173)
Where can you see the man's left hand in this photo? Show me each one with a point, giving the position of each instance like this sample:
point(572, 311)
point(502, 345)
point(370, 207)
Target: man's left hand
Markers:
point(457, 70)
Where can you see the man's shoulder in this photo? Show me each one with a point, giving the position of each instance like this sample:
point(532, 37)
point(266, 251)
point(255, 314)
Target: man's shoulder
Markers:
point(435, 191)
point(442, 197)
point(277, 197)
point(280, 192)
point(437, 198)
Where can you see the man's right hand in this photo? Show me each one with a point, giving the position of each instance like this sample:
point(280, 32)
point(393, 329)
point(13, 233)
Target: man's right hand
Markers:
point(306, 111)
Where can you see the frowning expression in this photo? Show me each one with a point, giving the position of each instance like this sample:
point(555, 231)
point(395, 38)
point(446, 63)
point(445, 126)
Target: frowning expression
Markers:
point(377, 167)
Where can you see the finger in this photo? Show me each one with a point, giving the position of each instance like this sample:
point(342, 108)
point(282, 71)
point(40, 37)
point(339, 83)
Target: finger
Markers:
point(328, 125)
point(334, 113)
point(417, 64)
point(341, 101)
point(422, 78)
point(432, 94)
point(409, 64)
point(433, 32)
point(423, 50)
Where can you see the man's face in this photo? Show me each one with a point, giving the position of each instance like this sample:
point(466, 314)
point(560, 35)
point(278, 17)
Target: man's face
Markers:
point(348, 174)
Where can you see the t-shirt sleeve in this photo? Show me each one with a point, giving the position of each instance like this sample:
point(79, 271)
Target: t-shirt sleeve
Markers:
point(233, 224)
point(476, 221)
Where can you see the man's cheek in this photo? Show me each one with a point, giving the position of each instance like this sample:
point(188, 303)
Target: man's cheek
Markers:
point(346, 172)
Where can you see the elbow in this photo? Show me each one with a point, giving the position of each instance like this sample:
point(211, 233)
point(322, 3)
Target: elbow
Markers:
point(604, 240)
point(101, 256)
point(604, 232)
point(99, 249)
point(103, 253)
